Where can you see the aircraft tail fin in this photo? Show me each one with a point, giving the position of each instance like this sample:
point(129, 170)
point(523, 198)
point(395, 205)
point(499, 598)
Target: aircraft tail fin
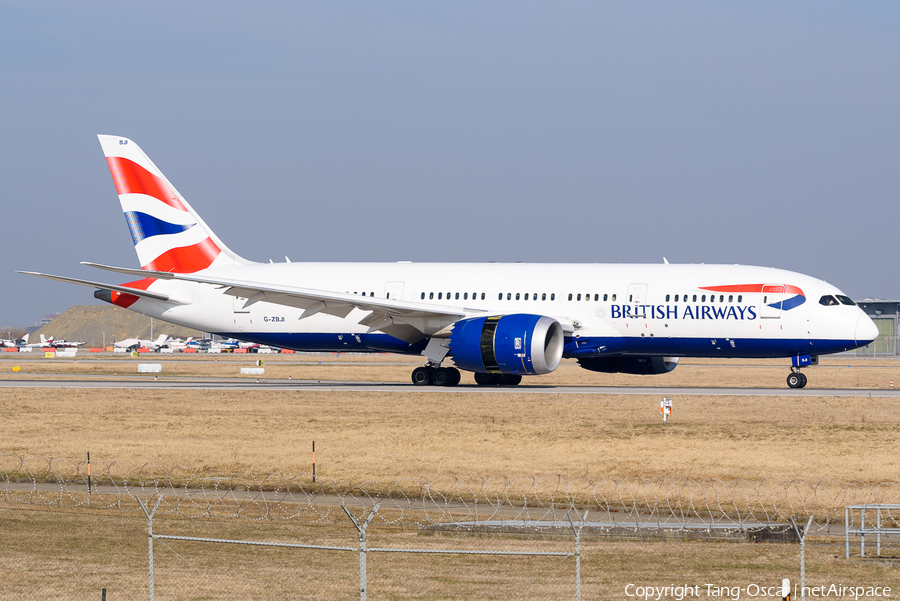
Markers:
point(162, 338)
point(168, 234)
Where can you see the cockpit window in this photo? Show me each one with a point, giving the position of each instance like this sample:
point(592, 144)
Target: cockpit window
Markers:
point(828, 300)
point(845, 300)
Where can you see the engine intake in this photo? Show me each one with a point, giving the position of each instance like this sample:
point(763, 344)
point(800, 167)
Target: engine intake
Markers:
point(641, 366)
point(508, 344)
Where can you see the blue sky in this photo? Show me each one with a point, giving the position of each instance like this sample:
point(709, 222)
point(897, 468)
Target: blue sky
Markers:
point(760, 133)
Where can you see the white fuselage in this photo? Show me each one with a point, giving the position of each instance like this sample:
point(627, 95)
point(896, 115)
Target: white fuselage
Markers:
point(624, 309)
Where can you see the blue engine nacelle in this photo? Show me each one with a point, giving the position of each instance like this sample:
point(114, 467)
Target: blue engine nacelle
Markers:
point(508, 344)
point(640, 366)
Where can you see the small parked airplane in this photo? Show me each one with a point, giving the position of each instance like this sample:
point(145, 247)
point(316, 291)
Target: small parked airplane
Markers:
point(499, 321)
point(14, 342)
point(131, 344)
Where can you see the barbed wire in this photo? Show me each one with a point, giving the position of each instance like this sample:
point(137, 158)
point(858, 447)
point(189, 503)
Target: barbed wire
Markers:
point(443, 500)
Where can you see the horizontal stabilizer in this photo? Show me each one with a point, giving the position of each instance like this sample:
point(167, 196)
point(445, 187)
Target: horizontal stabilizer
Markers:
point(102, 286)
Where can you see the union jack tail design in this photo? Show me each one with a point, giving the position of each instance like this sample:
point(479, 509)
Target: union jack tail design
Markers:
point(168, 235)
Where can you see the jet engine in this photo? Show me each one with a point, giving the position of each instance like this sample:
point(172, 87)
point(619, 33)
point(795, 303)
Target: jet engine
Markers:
point(641, 366)
point(508, 344)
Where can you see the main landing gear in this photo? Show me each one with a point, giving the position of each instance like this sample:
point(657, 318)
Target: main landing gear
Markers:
point(435, 376)
point(497, 379)
point(796, 379)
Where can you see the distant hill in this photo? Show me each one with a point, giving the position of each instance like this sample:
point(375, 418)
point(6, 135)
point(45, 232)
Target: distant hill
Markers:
point(88, 323)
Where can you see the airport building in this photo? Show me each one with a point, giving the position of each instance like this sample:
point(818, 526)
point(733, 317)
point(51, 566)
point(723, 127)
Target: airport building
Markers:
point(885, 314)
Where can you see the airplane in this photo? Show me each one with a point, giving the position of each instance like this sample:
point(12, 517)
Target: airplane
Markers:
point(178, 344)
point(499, 321)
point(14, 342)
point(130, 344)
point(51, 342)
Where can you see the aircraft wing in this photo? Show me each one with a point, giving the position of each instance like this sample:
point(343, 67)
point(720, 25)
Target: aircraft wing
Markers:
point(409, 321)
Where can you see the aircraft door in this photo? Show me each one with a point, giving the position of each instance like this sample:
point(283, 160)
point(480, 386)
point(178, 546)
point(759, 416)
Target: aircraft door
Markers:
point(637, 298)
point(770, 301)
point(239, 304)
point(393, 290)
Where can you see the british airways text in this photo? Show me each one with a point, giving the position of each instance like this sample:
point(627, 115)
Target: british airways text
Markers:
point(678, 312)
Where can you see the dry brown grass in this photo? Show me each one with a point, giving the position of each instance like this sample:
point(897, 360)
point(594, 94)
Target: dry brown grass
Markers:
point(72, 555)
point(388, 436)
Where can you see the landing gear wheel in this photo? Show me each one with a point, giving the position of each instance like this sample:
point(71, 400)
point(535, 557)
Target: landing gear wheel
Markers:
point(445, 376)
point(802, 380)
point(796, 380)
point(509, 380)
point(487, 379)
point(455, 376)
point(422, 376)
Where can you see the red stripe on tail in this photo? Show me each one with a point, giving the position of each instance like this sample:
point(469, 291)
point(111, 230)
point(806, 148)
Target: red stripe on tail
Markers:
point(186, 259)
point(131, 178)
point(123, 300)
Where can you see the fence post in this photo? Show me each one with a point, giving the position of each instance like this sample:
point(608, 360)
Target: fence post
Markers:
point(150, 537)
point(802, 538)
point(846, 532)
point(577, 531)
point(361, 530)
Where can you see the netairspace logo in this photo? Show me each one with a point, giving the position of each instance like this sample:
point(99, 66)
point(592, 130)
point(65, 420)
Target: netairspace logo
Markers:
point(752, 591)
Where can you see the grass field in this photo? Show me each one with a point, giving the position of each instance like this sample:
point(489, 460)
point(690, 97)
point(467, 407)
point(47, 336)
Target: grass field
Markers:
point(77, 553)
point(384, 437)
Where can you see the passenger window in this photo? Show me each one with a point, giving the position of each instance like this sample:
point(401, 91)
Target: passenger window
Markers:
point(423, 296)
point(543, 296)
point(765, 299)
point(509, 296)
point(630, 296)
point(667, 298)
point(596, 297)
point(552, 296)
point(721, 298)
point(465, 296)
point(517, 296)
point(482, 296)
point(587, 297)
point(526, 296)
point(440, 295)
point(570, 296)
point(695, 298)
point(457, 296)
point(605, 297)
point(431, 296)
point(730, 298)
point(676, 298)
point(828, 301)
point(740, 296)
point(534, 296)
point(613, 298)
point(703, 299)
point(579, 297)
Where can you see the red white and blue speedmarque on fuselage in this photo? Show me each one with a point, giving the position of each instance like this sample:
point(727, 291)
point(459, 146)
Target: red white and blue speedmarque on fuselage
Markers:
point(500, 321)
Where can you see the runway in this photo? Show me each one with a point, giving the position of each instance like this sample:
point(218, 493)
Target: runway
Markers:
point(132, 383)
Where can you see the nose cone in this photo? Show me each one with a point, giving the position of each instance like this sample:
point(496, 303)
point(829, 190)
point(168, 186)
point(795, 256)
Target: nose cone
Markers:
point(866, 330)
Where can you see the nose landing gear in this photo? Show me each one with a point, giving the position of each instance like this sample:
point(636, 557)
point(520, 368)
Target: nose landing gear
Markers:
point(796, 379)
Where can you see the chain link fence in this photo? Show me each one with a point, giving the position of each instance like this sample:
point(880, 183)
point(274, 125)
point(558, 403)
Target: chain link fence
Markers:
point(246, 536)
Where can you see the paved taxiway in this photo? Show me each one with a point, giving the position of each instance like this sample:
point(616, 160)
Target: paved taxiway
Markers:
point(132, 383)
